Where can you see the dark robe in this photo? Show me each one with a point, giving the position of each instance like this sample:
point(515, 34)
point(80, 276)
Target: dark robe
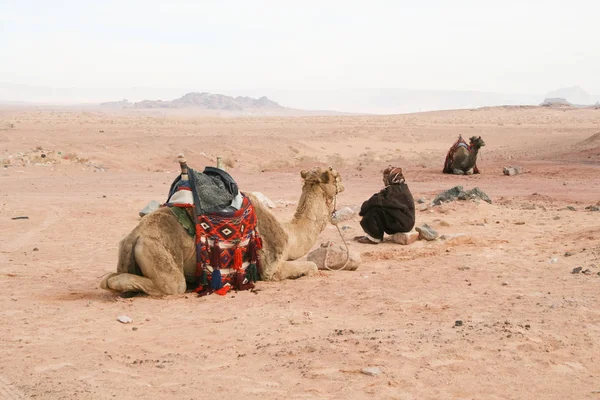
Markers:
point(392, 210)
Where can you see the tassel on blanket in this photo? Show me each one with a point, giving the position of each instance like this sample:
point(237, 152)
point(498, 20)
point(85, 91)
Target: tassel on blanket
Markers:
point(237, 258)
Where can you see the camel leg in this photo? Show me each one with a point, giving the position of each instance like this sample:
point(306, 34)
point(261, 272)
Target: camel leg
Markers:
point(458, 172)
point(296, 269)
point(160, 273)
point(130, 283)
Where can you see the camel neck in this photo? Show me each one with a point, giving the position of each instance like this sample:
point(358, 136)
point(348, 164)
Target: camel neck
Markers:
point(311, 217)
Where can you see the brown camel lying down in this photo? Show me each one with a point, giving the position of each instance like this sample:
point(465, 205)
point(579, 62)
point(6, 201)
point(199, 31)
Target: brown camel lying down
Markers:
point(158, 254)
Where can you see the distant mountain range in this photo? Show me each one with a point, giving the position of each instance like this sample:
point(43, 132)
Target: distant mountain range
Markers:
point(279, 102)
point(204, 100)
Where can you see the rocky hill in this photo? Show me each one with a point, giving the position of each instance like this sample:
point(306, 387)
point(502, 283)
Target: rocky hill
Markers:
point(205, 101)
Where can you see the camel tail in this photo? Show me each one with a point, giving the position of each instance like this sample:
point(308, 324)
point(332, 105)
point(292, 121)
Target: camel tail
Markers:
point(126, 263)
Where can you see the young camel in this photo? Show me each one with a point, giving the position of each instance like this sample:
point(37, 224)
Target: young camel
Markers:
point(158, 254)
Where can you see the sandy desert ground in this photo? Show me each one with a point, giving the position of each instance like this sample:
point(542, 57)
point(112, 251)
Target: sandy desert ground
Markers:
point(530, 327)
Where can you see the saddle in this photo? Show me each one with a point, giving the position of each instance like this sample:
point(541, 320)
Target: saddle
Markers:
point(450, 155)
point(224, 224)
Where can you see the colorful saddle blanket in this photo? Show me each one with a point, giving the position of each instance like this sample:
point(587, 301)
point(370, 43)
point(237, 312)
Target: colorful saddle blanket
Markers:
point(227, 243)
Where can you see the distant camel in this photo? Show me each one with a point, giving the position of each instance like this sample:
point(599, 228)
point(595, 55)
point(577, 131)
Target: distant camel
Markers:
point(462, 157)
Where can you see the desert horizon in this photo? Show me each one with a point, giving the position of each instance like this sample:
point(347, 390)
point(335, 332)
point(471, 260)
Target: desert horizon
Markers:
point(127, 273)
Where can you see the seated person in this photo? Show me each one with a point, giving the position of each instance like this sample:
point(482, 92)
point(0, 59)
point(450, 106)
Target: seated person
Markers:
point(390, 211)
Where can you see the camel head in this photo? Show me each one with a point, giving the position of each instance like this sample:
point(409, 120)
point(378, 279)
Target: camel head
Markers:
point(476, 142)
point(328, 180)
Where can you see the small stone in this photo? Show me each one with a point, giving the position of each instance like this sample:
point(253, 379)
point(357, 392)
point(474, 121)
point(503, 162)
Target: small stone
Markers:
point(427, 233)
point(587, 271)
point(553, 260)
point(346, 227)
point(124, 319)
point(342, 215)
point(504, 283)
point(592, 208)
point(568, 254)
point(371, 371)
point(571, 208)
point(458, 323)
point(576, 270)
point(150, 207)
point(134, 328)
point(421, 200)
point(510, 171)
point(36, 249)
point(405, 238)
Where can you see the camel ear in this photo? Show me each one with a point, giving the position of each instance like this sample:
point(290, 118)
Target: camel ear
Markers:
point(304, 174)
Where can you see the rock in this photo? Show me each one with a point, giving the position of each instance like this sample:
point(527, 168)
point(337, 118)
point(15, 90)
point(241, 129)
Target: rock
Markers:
point(576, 270)
point(553, 260)
point(478, 193)
point(346, 227)
point(421, 200)
point(458, 323)
point(592, 208)
point(568, 254)
point(510, 171)
point(336, 258)
point(150, 207)
point(447, 196)
point(457, 193)
point(36, 249)
point(571, 208)
point(342, 215)
point(124, 319)
point(427, 233)
point(371, 371)
point(264, 199)
point(587, 271)
point(405, 238)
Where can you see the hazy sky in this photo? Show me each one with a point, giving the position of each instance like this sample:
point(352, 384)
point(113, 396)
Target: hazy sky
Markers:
point(503, 46)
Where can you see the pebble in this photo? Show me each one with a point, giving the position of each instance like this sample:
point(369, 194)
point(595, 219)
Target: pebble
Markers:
point(124, 319)
point(576, 270)
point(553, 260)
point(371, 371)
point(568, 254)
point(458, 323)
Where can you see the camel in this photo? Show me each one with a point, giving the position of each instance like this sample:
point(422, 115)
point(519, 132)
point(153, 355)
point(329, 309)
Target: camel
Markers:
point(158, 254)
point(462, 158)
